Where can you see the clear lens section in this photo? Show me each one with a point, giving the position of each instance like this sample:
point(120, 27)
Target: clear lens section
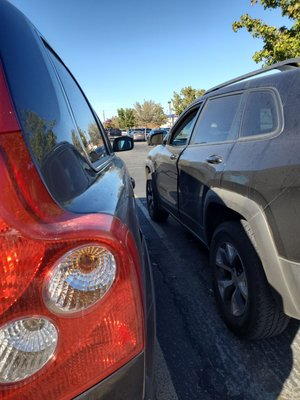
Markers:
point(79, 279)
point(26, 345)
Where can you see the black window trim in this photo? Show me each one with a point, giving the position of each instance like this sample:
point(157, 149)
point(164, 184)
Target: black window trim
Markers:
point(279, 113)
point(97, 166)
point(181, 120)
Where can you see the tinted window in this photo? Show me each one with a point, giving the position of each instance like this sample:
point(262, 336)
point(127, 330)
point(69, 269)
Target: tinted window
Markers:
point(217, 122)
point(184, 130)
point(260, 115)
point(87, 126)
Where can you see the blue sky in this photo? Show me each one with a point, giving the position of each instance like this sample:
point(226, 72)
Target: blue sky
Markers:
point(124, 51)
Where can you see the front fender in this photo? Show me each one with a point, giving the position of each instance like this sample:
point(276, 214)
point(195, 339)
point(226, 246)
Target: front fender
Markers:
point(149, 168)
point(280, 273)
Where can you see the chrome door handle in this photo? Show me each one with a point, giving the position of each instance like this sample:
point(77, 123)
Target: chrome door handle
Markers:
point(173, 157)
point(214, 159)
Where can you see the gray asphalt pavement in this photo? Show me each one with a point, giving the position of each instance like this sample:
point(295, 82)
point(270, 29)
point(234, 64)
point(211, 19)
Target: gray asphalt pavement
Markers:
point(197, 357)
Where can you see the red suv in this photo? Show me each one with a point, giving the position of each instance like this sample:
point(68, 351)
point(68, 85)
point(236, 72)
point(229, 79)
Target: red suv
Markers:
point(77, 309)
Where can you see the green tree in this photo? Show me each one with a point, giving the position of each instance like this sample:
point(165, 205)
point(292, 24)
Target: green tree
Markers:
point(76, 141)
point(95, 135)
point(186, 96)
point(149, 114)
point(42, 137)
point(126, 118)
point(83, 137)
point(279, 43)
point(111, 123)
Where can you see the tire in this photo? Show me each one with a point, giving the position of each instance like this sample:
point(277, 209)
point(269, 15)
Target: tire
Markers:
point(156, 213)
point(248, 305)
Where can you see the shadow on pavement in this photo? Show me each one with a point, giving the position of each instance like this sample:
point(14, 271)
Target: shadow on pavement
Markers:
point(205, 360)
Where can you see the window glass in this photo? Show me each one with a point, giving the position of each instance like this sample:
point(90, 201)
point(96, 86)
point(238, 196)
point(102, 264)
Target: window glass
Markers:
point(87, 126)
point(218, 120)
point(182, 134)
point(260, 115)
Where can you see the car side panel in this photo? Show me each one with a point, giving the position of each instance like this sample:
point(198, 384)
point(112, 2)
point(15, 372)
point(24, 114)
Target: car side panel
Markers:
point(166, 175)
point(266, 169)
point(196, 175)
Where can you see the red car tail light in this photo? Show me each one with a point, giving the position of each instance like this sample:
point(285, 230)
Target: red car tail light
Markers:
point(79, 279)
point(72, 279)
point(20, 258)
point(8, 121)
point(27, 345)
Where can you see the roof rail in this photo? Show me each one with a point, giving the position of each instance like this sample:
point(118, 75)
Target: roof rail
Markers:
point(281, 66)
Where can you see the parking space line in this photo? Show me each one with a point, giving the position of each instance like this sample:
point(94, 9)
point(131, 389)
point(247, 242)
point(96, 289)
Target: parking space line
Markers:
point(155, 226)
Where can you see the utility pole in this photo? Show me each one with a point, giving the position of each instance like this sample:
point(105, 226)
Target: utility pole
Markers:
point(170, 116)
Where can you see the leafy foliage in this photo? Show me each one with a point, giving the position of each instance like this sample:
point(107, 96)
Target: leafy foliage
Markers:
point(111, 123)
point(149, 114)
point(126, 118)
point(279, 43)
point(94, 134)
point(42, 137)
point(186, 96)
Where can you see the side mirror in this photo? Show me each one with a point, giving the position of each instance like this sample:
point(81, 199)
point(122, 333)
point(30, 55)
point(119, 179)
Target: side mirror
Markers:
point(123, 143)
point(156, 138)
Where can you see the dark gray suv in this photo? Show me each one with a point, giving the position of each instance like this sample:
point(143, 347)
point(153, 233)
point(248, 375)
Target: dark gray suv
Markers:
point(230, 171)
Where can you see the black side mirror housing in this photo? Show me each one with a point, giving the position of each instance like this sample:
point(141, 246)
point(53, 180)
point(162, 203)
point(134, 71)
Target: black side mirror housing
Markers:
point(123, 143)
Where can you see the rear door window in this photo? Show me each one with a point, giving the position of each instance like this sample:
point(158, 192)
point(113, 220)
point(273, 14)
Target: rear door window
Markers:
point(87, 125)
point(261, 114)
point(218, 121)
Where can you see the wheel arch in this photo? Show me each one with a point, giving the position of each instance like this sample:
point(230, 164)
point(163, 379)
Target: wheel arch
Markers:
point(222, 205)
point(215, 213)
point(148, 170)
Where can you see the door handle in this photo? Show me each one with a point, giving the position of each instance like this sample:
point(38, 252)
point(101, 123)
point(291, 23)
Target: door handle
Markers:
point(173, 157)
point(214, 159)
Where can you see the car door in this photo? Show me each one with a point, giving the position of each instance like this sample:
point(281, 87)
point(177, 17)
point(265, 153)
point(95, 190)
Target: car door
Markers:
point(201, 163)
point(166, 173)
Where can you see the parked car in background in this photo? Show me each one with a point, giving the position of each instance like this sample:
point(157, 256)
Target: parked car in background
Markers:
point(138, 135)
point(155, 132)
point(77, 307)
point(114, 132)
point(230, 173)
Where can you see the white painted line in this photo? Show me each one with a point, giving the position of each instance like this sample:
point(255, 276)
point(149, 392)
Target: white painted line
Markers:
point(156, 226)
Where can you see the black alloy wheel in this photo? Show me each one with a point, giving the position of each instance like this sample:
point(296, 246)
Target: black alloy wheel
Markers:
point(231, 279)
point(248, 305)
point(156, 213)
